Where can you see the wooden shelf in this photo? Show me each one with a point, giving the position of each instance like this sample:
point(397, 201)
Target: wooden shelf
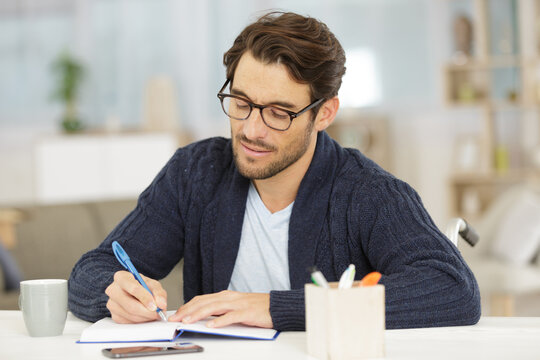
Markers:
point(488, 63)
point(8, 220)
point(495, 84)
point(490, 177)
point(494, 105)
point(472, 193)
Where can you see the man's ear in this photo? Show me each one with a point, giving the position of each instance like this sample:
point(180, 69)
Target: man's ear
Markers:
point(327, 113)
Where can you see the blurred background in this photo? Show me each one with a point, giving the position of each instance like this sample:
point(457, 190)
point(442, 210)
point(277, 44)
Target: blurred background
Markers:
point(95, 96)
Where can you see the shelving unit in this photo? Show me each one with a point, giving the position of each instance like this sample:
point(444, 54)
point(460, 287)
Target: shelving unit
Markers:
point(99, 166)
point(504, 84)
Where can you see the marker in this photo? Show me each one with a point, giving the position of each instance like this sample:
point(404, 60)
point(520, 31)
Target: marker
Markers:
point(347, 278)
point(317, 277)
point(371, 279)
point(124, 259)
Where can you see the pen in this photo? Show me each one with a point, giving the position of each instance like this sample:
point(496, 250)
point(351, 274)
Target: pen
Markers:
point(317, 277)
point(347, 278)
point(124, 259)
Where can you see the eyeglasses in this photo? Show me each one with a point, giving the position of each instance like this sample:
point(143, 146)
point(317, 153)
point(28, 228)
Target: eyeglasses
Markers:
point(237, 107)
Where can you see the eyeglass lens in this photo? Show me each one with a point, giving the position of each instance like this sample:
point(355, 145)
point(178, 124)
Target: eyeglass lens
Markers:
point(240, 109)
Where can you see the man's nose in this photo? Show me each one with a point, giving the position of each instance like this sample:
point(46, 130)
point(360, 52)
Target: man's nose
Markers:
point(254, 126)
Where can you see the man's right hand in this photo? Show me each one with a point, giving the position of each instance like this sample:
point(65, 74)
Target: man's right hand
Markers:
point(129, 302)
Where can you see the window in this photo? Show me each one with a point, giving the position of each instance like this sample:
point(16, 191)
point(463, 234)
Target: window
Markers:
point(361, 84)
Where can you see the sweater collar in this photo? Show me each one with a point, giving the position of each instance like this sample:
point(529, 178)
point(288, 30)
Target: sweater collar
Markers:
point(310, 209)
point(307, 217)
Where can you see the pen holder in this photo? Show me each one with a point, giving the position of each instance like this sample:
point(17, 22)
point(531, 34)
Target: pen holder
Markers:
point(345, 323)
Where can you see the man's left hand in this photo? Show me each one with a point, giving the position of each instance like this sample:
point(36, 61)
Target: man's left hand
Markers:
point(230, 307)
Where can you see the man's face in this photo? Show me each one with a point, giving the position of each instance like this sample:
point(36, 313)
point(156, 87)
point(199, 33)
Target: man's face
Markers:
point(259, 151)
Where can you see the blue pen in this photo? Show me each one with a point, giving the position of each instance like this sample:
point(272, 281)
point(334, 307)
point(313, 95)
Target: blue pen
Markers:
point(124, 259)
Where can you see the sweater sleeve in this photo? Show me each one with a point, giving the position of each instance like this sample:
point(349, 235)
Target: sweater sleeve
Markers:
point(426, 279)
point(427, 282)
point(287, 309)
point(151, 234)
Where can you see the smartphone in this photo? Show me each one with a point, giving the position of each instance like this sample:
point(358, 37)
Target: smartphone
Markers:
point(136, 351)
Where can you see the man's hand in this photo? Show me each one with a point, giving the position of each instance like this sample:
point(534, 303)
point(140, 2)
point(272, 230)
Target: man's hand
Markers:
point(234, 307)
point(130, 302)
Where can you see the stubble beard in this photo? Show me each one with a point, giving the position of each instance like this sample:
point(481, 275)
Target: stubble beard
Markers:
point(290, 154)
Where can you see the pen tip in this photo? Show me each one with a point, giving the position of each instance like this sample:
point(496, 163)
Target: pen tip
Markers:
point(162, 315)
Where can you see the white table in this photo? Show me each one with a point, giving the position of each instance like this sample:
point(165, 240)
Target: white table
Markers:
point(491, 338)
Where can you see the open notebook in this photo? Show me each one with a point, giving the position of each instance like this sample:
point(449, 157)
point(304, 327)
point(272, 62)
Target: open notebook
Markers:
point(106, 330)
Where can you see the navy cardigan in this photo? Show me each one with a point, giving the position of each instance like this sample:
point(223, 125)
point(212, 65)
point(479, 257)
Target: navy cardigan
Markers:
point(347, 210)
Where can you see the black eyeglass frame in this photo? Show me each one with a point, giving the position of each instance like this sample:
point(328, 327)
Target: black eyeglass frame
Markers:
point(292, 115)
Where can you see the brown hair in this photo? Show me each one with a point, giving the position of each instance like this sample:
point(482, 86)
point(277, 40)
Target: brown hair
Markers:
point(308, 49)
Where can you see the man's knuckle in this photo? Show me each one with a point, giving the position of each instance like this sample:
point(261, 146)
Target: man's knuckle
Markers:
point(118, 275)
point(226, 293)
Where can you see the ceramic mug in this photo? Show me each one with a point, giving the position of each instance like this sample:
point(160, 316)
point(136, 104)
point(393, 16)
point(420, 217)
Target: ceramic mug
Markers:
point(44, 306)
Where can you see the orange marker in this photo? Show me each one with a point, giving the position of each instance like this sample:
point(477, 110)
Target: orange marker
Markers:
point(371, 279)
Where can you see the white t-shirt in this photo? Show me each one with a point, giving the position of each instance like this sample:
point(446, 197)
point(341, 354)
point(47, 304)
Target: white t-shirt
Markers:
point(262, 263)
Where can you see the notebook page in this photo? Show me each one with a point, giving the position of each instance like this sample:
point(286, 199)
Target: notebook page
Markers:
point(235, 330)
point(106, 330)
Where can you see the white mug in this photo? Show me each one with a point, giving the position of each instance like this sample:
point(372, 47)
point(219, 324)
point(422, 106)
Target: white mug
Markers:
point(44, 306)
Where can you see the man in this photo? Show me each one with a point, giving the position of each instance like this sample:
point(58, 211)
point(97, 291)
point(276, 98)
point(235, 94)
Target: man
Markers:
point(250, 214)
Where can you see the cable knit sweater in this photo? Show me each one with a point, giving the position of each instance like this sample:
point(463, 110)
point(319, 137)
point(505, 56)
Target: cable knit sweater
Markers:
point(347, 210)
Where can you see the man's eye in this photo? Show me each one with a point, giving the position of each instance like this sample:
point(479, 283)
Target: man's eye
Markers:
point(278, 113)
point(241, 104)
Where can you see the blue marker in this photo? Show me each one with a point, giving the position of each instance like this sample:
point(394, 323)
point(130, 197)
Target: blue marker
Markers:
point(124, 259)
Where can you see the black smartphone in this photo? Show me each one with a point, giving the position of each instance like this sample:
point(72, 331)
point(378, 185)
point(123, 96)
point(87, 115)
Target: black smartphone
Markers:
point(136, 351)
